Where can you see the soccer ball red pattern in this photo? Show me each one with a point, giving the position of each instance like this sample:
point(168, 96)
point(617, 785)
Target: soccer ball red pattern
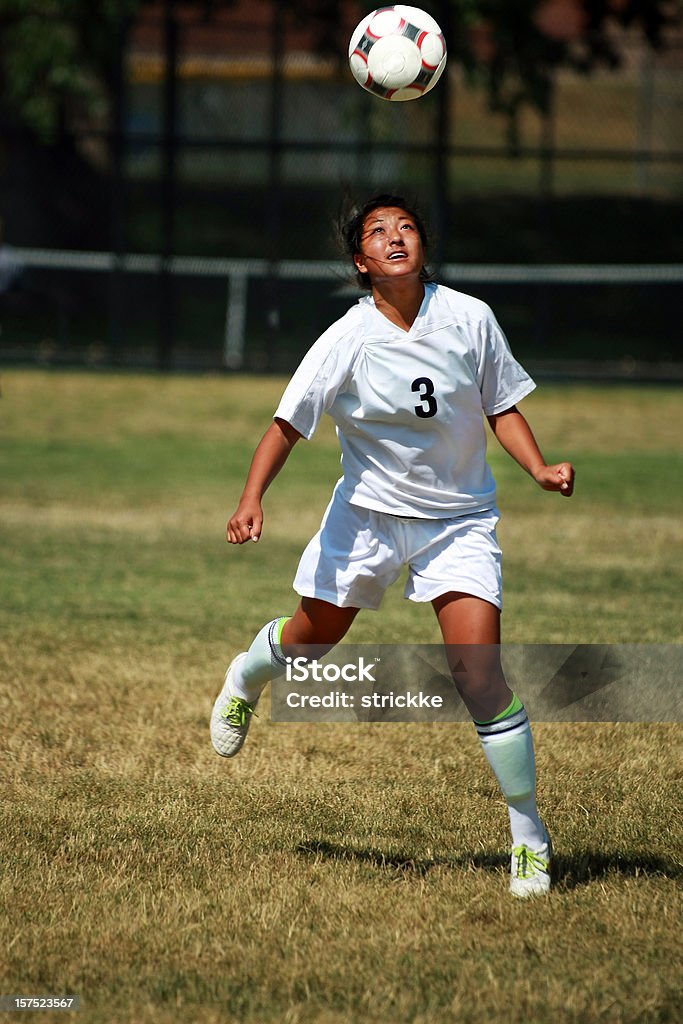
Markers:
point(397, 53)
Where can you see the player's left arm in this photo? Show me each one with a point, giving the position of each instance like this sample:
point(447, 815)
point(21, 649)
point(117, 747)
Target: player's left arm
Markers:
point(515, 435)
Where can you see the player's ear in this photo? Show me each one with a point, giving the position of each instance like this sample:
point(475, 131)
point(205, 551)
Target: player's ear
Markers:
point(361, 265)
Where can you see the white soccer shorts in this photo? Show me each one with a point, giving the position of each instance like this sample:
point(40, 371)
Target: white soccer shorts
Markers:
point(358, 553)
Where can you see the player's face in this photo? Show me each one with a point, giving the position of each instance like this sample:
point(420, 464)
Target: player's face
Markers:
point(391, 246)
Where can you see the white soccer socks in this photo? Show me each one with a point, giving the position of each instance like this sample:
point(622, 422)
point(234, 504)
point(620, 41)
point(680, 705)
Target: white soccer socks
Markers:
point(509, 749)
point(264, 661)
point(245, 679)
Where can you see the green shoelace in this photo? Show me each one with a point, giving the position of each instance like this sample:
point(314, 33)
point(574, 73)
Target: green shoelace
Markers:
point(237, 711)
point(528, 862)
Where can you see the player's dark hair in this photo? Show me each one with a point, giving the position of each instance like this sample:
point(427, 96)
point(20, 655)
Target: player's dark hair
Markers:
point(351, 229)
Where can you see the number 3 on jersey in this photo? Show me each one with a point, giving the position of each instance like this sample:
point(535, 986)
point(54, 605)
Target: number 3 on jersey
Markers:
point(426, 389)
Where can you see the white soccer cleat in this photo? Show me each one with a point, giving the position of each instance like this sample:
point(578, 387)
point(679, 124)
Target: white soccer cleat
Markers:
point(231, 716)
point(530, 870)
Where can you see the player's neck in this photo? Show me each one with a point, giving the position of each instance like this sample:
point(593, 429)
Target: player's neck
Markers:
point(399, 301)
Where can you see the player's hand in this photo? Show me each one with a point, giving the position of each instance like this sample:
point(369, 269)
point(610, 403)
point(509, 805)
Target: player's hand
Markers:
point(245, 524)
point(559, 477)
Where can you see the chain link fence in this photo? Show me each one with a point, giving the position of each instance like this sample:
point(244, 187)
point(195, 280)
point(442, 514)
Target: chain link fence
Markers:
point(238, 142)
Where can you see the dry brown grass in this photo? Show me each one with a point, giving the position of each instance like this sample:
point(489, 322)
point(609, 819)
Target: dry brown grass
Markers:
point(331, 873)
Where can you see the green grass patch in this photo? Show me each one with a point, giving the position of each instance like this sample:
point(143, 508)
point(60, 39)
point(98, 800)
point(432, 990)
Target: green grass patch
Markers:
point(330, 873)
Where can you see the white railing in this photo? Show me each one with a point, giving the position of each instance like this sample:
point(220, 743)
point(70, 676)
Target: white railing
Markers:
point(237, 272)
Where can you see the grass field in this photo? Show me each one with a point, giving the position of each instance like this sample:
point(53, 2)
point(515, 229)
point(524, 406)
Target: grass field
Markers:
point(330, 874)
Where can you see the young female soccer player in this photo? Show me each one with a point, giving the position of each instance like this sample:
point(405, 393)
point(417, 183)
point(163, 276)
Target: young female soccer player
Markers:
point(407, 375)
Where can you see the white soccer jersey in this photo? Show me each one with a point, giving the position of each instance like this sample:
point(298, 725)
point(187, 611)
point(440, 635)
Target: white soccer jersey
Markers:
point(409, 406)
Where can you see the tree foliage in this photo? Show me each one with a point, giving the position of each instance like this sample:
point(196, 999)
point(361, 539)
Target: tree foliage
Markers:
point(515, 48)
point(56, 54)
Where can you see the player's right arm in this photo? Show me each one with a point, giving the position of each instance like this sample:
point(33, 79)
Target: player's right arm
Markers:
point(270, 456)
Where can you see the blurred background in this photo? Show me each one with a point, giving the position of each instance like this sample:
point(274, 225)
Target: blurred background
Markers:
point(171, 172)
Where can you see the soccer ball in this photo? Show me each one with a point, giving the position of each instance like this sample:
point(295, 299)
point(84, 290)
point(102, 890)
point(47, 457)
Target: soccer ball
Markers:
point(397, 53)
